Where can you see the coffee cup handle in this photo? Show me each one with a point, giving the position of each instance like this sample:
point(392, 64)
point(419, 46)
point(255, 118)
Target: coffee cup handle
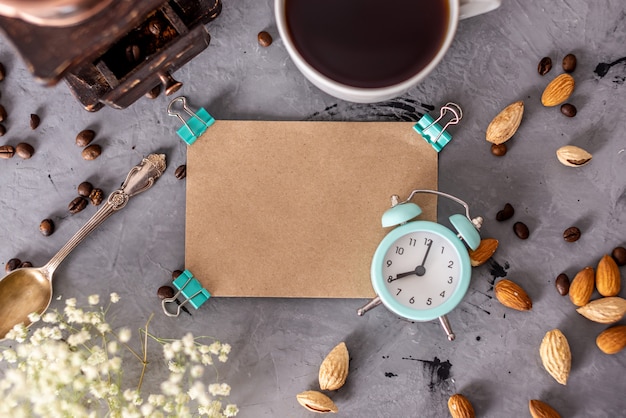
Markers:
point(470, 8)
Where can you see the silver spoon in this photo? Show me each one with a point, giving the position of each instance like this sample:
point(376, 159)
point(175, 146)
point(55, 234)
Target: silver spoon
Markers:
point(28, 290)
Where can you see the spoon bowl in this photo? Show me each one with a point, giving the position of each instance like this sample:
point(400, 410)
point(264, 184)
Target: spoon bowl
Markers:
point(29, 290)
point(32, 288)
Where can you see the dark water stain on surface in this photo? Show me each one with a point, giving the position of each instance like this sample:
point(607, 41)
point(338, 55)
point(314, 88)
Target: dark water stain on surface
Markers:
point(603, 68)
point(438, 371)
point(399, 109)
point(496, 270)
point(389, 374)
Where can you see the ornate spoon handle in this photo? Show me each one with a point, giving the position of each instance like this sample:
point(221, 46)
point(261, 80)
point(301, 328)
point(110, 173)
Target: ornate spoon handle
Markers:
point(139, 179)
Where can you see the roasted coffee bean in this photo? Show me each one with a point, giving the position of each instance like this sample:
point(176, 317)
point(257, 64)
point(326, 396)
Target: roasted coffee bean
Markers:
point(562, 284)
point(569, 63)
point(96, 196)
point(12, 264)
point(3, 130)
point(545, 65)
point(154, 26)
point(181, 172)
point(24, 150)
point(84, 189)
point(26, 264)
point(3, 72)
point(506, 213)
point(521, 230)
point(619, 255)
point(154, 93)
point(165, 292)
point(85, 137)
point(7, 151)
point(133, 53)
point(571, 234)
point(92, 152)
point(264, 38)
point(3, 113)
point(46, 227)
point(498, 149)
point(176, 273)
point(568, 110)
point(35, 120)
point(77, 205)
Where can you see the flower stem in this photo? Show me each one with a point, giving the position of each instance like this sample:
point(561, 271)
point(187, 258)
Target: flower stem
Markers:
point(145, 354)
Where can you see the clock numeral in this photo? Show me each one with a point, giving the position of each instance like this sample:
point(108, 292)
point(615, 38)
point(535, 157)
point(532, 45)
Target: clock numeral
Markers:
point(443, 294)
point(399, 250)
point(442, 248)
point(450, 280)
point(399, 290)
point(412, 300)
point(429, 301)
point(450, 264)
point(389, 263)
point(389, 279)
point(412, 242)
point(428, 241)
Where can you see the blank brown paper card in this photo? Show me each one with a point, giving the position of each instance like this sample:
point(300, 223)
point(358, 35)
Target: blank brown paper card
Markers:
point(293, 209)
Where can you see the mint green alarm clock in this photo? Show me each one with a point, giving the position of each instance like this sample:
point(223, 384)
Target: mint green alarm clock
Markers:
point(421, 270)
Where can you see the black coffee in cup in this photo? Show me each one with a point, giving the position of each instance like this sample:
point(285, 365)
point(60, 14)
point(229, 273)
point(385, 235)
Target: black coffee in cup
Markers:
point(368, 43)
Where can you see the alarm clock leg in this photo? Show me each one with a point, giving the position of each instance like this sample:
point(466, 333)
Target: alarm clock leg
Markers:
point(446, 327)
point(369, 305)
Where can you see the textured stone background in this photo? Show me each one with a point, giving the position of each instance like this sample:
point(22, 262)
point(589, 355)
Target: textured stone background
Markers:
point(397, 368)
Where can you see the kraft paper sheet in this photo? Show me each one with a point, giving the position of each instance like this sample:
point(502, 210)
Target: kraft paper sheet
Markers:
point(293, 209)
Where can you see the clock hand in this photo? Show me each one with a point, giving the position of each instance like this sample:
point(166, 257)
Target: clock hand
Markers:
point(421, 270)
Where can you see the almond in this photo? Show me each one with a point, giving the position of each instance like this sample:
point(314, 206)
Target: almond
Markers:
point(334, 369)
point(558, 90)
point(539, 409)
point(573, 156)
point(608, 280)
point(511, 295)
point(556, 355)
point(485, 250)
point(460, 407)
point(605, 310)
point(612, 340)
point(505, 124)
point(581, 287)
point(316, 401)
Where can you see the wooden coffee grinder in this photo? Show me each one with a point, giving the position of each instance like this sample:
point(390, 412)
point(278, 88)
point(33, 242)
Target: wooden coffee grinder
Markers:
point(108, 51)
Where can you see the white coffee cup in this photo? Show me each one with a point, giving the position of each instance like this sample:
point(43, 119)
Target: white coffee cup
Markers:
point(458, 9)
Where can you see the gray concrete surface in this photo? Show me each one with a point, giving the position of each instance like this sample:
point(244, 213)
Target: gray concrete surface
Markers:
point(398, 368)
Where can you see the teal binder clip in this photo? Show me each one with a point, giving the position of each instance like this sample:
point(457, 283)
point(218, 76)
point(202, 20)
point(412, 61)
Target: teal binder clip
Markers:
point(194, 126)
point(432, 131)
point(191, 289)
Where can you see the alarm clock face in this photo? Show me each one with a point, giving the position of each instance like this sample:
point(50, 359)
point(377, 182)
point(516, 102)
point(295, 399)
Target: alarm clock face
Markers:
point(421, 270)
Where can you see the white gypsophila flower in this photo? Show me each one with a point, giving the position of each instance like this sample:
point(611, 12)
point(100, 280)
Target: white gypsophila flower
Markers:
point(93, 300)
point(231, 410)
point(34, 317)
point(79, 338)
point(147, 410)
point(124, 335)
point(168, 353)
point(50, 317)
point(103, 327)
point(177, 346)
point(196, 371)
point(225, 349)
point(112, 347)
point(214, 348)
point(156, 400)
point(223, 358)
point(114, 297)
point(70, 302)
point(212, 409)
point(219, 389)
point(206, 359)
point(176, 367)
